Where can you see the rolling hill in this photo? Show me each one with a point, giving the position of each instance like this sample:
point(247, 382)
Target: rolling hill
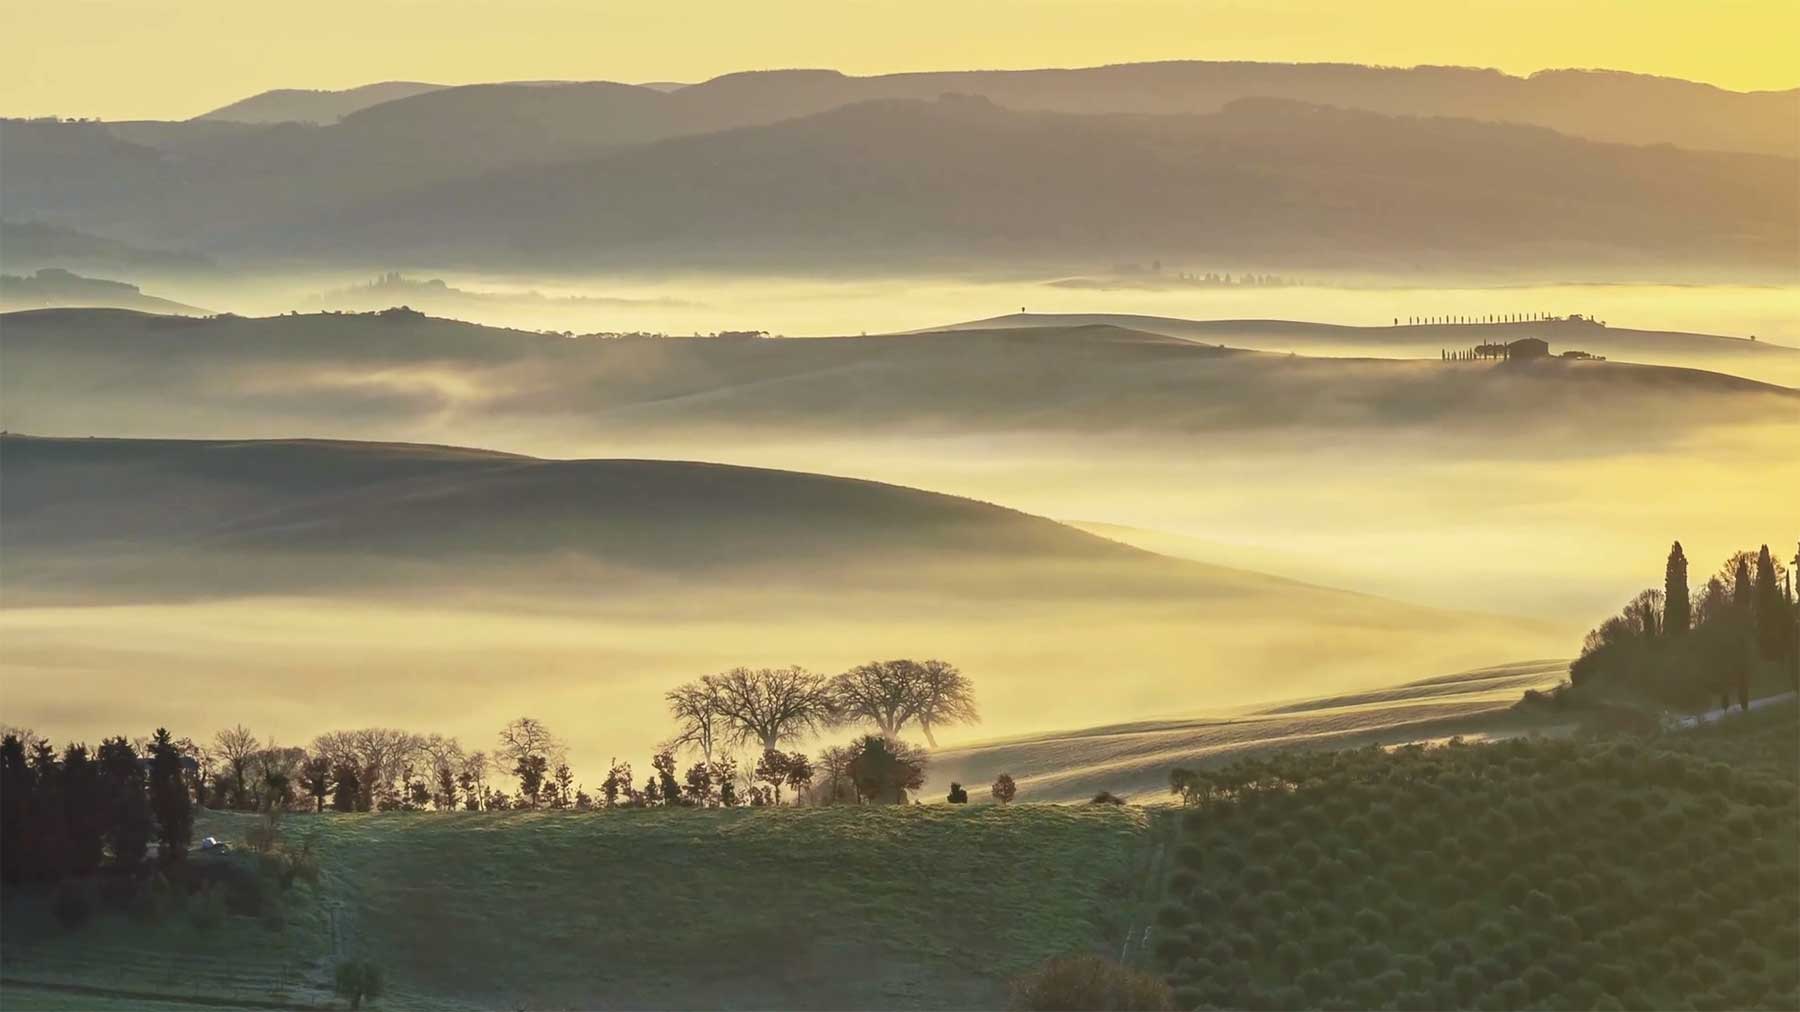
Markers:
point(597, 584)
point(299, 105)
point(404, 376)
point(1758, 359)
point(52, 287)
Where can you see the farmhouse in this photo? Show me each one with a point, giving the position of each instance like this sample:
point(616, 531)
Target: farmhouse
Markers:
point(1527, 348)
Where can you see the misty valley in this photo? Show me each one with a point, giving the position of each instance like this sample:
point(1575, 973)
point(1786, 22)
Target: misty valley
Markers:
point(1176, 535)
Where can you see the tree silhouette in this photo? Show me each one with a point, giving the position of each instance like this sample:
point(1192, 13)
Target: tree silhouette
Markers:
point(315, 779)
point(84, 809)
point(883, 770)
point(772, 769)
point(771, 705)
point(695, 707)
point(884, 693)
point(169, 800)
point(946, 696)
point(1771, 618)
point(1676, 612)
point(799, 774)
point(237, 746)
point(1005, 789)
point(129, 820)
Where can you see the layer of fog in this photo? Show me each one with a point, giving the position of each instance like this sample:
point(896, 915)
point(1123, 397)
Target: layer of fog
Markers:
point(596, 669)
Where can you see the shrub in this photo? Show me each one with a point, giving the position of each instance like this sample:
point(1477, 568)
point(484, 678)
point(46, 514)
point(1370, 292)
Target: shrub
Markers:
point(1106, 798)
point(358, 980)
point(1005, 789)
point(1087, 981)
point(74, 902)
point(958, 795)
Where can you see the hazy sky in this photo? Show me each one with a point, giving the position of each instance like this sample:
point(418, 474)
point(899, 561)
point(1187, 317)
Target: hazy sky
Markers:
point(122, 59)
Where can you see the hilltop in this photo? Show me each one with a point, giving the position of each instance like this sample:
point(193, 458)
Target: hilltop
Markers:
point(298, 105)
point(53, 287)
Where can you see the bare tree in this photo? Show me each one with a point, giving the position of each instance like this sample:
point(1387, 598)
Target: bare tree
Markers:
point(236, 746)
point(445, 760)
point(945, 696)
point(527, 750)
point(885, 693)
point(472, 778)
point(833, 777)
point(377, 754)
point(772, 705)
point(695, 707)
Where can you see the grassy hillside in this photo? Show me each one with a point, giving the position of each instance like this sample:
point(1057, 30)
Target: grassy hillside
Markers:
point(1550, 873)
point(809, 908)
point(1543, 873)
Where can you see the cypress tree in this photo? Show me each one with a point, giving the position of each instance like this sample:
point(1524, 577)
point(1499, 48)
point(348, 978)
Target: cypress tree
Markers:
point(1742, 592)
point(1675, 593)
point(1771, 620)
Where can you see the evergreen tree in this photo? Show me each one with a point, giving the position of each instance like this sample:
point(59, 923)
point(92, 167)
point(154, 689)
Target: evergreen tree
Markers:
point(1676, 617)
point(1771, 617)
point(169, 799)
point(84, 811)
point(47, 829)
point(129, 820)
point(1742, 591)
point(16, 784)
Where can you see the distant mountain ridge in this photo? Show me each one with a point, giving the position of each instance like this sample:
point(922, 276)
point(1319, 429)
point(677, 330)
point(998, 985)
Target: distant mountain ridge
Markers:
point(1308, 165)
point(1600, 104)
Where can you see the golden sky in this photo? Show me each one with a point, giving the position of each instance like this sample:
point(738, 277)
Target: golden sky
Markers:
point(122, 59)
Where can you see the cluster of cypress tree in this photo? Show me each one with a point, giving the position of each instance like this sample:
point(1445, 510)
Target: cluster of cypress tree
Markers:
point(1683, 647)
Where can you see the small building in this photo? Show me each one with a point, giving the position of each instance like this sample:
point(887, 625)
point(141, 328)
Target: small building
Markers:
point(1527, 348)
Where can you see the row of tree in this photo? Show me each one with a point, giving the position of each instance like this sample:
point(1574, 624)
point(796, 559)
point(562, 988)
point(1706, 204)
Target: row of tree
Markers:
point(769, 706)
point(1682, 645)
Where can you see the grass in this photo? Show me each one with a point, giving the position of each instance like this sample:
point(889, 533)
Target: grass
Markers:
point(918, 907)
point(1659, 872)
